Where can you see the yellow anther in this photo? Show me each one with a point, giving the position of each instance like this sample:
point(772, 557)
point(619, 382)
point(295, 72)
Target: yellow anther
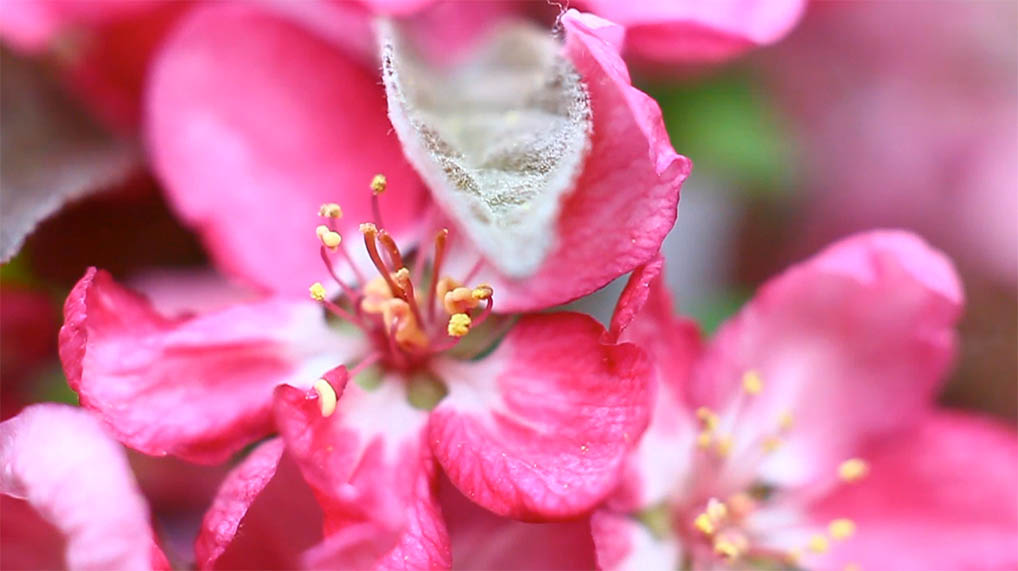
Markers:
point(329, 238)
point(752, 383)
point(368, 228)
point(326, 397)
point(378, 184)
point(703, 439)
point(853, 469)
point(786, 420)
point(459, 300)
point(704, 524)
point(330, 210)
point(716, 510)
point(726, 548)
point(707, 418)
point(401, 276)
point(724, 446)
point(317, 291)
point(841, 528)
point(459, 324)
point(771, 443)
point(482, 292)
point(819, 544)
point(445, 285)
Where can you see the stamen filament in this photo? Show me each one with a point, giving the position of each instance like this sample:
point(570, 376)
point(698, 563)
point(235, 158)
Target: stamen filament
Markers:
point(366, 362)
point(395, 258)
point(436, 271)
point(349, 291)
point(370, 233)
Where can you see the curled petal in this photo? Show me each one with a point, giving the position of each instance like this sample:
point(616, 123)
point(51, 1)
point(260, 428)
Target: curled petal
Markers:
point(199, 388)
point(538, 429)
point(67, 467)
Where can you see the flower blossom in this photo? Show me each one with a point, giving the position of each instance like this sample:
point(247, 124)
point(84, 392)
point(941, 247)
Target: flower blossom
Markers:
point(59, 463)
point(530, 418)
point(803, 435)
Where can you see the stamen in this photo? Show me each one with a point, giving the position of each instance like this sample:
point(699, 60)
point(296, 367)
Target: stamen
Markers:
point(330, 210)
point(716, 510)
point(370, 232)
point(436, 269)
point(741, 505)
point(819, 544)
point(726, 548)
point(330, 239)
point(853, 469)
point(459, 300)
point(724, 445)
point(482, 292)
point(326, 397)
point(841, 528)
point(459, 325)
point(707, 417)
point(395, 258)
point(704, 524)
point(349, 291)
point(378, 184)
point(402, 277)
point(703, 439)
point(752, 383)
point(317, 291)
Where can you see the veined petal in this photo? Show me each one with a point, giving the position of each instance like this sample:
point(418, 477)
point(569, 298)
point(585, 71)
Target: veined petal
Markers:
point(67, 467)
point(199, 388)
point(625, 200)
point(372, 472)
point(253, 122)
point(690, 32)
point(941, 495)
point(538, 429)
point(865, 325)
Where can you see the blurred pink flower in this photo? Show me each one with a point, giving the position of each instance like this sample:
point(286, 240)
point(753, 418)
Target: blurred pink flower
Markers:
point(804, 434)
point(902, 131)
point(255, 117)
point(61, 463)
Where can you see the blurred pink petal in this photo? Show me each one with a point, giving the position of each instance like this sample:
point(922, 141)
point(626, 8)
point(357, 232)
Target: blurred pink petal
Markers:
point(60, 460)
point(690, 32)
point(199, 388)
point(253, 122)
point(941, 495)
point(539, 428)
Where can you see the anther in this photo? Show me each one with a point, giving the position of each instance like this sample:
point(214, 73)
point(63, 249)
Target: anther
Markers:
point(459, 300)
point(704, 524)
point(707, 417)
point(818, 544)
point(703, 439)
point(326, 397)
point(724, 446)
point(716, 510)
point(378, 184)
point(841, 528)
point(317, 291)
point(482, 292)
point(330, 239)
point(853, 469)
point(459, 325)
point(330, 210)
point(752, 383)
point(726, 548)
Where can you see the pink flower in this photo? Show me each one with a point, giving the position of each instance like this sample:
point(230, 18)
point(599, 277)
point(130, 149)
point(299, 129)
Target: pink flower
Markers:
point(530, 418)
point(803, 433)
point(58, 461)
point(255, 117)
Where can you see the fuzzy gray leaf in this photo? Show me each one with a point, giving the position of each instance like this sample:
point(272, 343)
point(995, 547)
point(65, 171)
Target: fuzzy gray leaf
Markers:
point(500, 138)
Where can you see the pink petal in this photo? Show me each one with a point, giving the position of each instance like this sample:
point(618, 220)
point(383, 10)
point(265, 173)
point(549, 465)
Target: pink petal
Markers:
point(482, 540)
point(238, 491)
point(688, 31)
point(626, 198)
point(33, 25)
point(939, 496)
point(860, 329)
point(375, 479)
point(254, 121)
point(622, 542)
point(60, 460)
point(538, 429)
point(635, 295)
point(199, 388)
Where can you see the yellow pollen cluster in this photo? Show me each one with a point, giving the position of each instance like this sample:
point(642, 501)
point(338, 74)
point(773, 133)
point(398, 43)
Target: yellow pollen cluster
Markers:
point(330, 210)
point(326, 397)
point(752, 383)
point(712, 517)
point(329, 238)
point(853, 469)
point(378, 184)
point(841, 528)
point(317, 291)
point(459, 324)
point(818, 544)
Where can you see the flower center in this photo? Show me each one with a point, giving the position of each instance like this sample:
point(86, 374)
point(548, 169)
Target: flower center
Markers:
point(740, 523)
point(411, 312)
